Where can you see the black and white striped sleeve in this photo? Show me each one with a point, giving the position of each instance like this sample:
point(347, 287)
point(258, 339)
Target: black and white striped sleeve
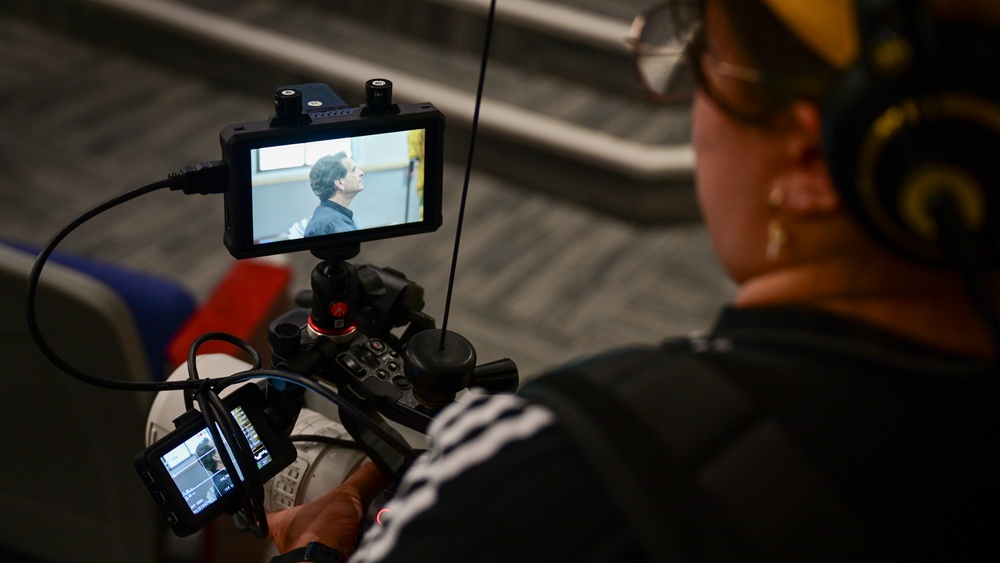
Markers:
point(501, 482)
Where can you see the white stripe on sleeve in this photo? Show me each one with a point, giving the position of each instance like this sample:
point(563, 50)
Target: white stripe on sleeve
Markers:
point(434, 470)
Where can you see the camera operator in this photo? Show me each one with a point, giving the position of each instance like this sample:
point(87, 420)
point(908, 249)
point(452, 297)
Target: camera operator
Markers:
point(832, 413)
point(336, 180)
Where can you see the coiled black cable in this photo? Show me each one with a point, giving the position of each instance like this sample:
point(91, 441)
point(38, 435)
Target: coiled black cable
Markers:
point(238, 456)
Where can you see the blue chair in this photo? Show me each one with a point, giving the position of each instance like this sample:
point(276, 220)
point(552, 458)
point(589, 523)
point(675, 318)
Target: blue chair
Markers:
point(159, 307)
point(68, 491)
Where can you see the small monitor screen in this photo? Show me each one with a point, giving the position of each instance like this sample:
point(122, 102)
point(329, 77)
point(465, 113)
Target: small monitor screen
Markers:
point(339, 185)
point(196, 467)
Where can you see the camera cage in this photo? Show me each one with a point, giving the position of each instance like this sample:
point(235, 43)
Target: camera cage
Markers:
point(328, 119)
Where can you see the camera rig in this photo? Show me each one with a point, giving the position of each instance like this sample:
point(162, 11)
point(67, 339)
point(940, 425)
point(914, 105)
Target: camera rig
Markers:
point(342, 335)
point(359, 338)
point(345, 338)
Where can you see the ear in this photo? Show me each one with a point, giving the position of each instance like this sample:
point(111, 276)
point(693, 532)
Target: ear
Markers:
point(806, 184)
point(339, 184)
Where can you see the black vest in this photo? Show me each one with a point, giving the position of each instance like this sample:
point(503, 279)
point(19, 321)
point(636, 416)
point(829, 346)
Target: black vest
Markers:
point(778, 446)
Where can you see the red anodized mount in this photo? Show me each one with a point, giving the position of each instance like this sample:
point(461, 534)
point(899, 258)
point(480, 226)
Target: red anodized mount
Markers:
point(340, 312)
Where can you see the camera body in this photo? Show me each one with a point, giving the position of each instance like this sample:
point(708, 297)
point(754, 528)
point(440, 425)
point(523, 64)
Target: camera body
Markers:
point(270, 198)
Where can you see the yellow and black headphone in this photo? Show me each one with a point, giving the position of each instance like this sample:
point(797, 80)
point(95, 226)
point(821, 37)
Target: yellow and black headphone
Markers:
point(912, 133)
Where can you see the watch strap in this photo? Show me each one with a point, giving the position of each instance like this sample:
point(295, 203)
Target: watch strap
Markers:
point(314, 552)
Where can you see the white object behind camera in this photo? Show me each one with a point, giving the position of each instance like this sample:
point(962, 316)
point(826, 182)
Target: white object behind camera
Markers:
point(318, 468)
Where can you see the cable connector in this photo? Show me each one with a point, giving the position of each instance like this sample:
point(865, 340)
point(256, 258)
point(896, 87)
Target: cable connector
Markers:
point(203, 178)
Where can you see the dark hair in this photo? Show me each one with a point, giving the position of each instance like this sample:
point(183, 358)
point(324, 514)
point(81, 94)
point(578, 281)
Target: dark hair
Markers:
point(325, 172)
point(793, 71)
point(202, 450)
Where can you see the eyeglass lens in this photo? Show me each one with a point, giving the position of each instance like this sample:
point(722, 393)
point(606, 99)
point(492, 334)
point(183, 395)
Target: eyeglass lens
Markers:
point(663, 51)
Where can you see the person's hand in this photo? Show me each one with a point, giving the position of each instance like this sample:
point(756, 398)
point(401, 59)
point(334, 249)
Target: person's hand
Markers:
point(333, 519)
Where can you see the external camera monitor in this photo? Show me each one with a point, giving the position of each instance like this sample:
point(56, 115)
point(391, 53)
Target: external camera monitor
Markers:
point(339, 180)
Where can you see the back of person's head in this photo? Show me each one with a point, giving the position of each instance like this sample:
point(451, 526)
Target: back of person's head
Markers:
point(325, 172)
point(845, 147)
point(911, 108)
point(204, 451)
point(805, 48)
point(910, 101)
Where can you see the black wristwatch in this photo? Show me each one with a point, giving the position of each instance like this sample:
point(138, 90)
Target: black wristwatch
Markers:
point(315, 552)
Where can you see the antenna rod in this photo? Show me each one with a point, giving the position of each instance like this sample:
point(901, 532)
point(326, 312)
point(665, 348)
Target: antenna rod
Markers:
point(468, 168)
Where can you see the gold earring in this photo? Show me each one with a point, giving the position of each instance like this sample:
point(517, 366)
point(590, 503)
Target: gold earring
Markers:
point(777, 236)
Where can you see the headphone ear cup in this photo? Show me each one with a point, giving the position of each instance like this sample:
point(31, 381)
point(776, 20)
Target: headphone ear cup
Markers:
point(892, 151)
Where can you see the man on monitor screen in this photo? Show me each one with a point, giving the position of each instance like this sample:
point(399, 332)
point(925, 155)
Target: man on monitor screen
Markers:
point(209, 458)
point(335, 179)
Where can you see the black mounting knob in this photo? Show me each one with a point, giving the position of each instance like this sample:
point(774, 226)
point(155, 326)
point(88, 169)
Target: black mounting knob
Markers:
point(287, 104)
point(437, 373)
point(378, 95)
point(285, 340)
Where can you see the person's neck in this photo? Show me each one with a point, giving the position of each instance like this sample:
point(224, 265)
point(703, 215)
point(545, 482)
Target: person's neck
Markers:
point(927, 306)
point(341, 198)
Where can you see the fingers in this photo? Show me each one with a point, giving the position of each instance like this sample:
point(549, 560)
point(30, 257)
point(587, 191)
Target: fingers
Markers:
point(333, 519)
